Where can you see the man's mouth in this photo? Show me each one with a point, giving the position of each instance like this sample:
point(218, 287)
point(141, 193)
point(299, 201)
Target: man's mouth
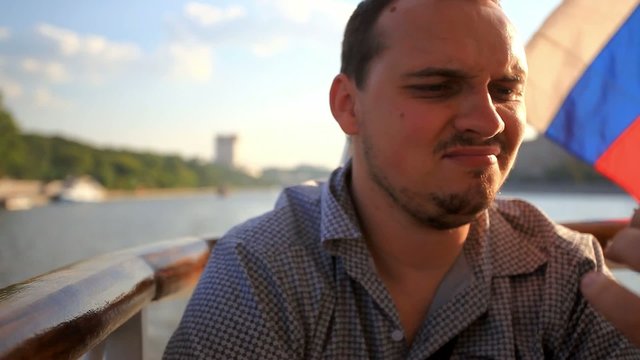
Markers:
point(473, 156)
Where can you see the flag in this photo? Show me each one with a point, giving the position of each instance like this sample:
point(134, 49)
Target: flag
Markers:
point(583, 90)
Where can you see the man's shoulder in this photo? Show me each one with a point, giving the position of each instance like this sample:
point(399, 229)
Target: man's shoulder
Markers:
point(565, 321)
point(291, 227)
point(545, 234)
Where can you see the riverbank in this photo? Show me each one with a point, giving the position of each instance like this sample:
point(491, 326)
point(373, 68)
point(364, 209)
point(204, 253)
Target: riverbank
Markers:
point(158, 193)
point(178, 192)
point(26, 194)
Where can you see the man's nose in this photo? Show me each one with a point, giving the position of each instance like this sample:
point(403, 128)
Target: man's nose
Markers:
point(478, 115)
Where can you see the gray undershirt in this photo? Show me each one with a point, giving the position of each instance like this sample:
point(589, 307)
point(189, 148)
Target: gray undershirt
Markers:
point(456, 279)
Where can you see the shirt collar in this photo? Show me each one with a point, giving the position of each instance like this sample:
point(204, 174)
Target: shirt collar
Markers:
point(338, 216)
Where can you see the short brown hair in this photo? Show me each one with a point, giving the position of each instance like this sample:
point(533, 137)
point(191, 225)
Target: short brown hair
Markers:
point(362, 42)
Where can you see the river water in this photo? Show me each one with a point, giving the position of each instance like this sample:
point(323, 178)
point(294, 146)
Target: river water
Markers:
point(38, 240)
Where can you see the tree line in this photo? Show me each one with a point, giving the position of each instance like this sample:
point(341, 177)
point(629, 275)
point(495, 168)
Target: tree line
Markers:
point(37, 157)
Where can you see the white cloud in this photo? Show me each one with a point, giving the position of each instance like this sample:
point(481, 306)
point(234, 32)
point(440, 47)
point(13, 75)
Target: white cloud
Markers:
point(270, 47)
point(338, 11)
point(53, 71)
point(9, 88)
point(192, 61)
point(67, 41)
point(44, 98)
point(301, 11)
point(4, 33)
point(207, 15)
point(295, 10)
point(72, 44)
point(30, 65)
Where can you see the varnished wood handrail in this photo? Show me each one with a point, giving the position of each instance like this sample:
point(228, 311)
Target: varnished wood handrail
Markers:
point(65, 313)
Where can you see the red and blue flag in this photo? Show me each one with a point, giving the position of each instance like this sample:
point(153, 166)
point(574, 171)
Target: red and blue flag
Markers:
point(584, 85)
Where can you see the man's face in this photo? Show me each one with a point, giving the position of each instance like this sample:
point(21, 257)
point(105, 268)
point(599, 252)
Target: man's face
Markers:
point(441, 115)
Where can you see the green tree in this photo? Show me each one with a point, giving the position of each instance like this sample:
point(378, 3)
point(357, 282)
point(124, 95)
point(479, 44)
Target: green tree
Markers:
point(70, 158)
point(12, 152)
point(127, 169)
point(38, 157)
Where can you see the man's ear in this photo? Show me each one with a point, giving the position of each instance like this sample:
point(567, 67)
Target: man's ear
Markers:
point(342, 99)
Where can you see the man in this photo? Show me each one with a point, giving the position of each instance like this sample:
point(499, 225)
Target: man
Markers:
point(404, 253)
point(616, 303)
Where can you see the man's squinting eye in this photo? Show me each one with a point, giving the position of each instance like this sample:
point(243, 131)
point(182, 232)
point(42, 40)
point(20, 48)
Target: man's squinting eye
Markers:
point(434, 90)
point(507, 92)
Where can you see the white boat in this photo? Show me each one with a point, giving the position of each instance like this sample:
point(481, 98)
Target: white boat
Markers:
point(81, 189)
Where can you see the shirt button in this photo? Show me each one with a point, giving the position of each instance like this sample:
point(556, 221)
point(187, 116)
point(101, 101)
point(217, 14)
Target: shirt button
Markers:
point(397, 335)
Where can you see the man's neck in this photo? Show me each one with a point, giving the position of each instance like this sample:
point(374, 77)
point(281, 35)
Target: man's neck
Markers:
point(398, 240)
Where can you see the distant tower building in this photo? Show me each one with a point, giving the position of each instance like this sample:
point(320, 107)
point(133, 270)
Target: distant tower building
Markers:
point(225, 150)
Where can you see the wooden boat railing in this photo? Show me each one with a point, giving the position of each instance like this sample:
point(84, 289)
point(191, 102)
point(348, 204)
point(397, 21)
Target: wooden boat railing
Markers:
point(93, 309)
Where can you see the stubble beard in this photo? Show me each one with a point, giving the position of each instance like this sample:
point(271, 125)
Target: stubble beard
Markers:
point(438, 210)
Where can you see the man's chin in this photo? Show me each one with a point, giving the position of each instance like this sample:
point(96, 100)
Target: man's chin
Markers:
point(452, 210)
point(448, 222)
point(451, 218)
point(455, 204)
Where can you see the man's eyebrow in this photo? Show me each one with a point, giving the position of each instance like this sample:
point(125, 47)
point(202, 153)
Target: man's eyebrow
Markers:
point(438, 71)
point(517, 74)
point(516, 78)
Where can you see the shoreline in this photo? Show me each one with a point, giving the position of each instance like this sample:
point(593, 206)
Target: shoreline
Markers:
point(159, 193)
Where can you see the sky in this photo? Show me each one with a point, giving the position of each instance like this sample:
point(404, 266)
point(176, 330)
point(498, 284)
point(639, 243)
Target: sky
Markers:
point(167, 76)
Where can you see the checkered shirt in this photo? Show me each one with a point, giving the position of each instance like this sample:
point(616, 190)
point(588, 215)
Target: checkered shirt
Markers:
point(299, 283)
